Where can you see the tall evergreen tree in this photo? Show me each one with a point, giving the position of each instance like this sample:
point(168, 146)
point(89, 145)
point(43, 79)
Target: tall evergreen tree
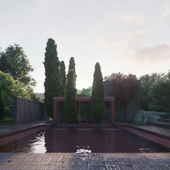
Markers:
point(2, 105)
point(72, 64)
point(70, 109)
point(97, 97)
point(63, 77)
point(52, 72)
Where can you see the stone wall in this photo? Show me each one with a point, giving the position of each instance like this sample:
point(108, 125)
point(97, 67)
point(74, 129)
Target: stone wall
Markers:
point(132, 108)
point(28, 111)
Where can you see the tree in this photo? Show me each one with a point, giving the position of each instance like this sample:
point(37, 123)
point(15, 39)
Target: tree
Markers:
point(11, 88)
point(85, 91)
point(160, 94)
point(70, 108)
point(15, 62)
point(125, 88)
point(72, 64)
point(2, 105)
point(97, 97)
point(32, 95)
point(63, 77)
point(147, 81)
point(52, 82)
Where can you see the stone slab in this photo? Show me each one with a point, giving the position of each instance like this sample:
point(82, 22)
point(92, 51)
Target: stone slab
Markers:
point(88, 161)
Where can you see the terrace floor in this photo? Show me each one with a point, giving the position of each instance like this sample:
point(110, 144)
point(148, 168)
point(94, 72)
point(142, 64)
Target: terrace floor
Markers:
point(118, 161)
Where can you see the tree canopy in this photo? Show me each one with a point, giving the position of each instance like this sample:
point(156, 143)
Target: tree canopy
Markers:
point(155, 91)
point(11, 88)
point(125, 88)
point(85, 91)
point(15, 62)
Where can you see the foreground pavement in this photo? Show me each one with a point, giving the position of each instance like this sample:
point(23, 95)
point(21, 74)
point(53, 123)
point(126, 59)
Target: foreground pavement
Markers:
point(87, 161)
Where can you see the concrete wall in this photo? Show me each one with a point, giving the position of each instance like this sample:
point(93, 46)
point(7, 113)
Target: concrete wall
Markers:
point(132, 108)
point(28, 111)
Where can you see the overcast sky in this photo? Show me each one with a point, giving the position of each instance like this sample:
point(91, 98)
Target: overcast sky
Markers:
point(130, 36)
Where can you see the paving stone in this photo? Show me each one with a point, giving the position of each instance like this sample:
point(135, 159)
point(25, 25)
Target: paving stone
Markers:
point(121, 161)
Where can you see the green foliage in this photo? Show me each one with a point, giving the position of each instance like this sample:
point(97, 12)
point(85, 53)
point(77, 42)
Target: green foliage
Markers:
point(11, 88)
point(34, 97)
point(70, 108)
point(160, 94)
point(15, 62)
point(2, 105)
point(85, 91)
point(72, 64)
point(63, 77)
point(155, 92)
point(97, 97)
point(8, 112)
point(165, 116)
point(52, 82)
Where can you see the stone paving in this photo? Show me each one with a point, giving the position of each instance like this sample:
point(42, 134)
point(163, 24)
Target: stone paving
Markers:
point(8, 129)
point(87, 161)
point(148, 128)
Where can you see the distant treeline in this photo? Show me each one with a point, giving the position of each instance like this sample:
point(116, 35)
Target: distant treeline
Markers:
point(40, 95)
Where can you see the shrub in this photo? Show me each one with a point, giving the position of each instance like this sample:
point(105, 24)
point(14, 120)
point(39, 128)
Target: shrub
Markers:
point(2, 105)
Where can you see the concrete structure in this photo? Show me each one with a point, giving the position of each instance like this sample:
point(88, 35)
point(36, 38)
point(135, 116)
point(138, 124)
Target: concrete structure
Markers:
point(132, 108)
point(27, 111)
point(57, 112)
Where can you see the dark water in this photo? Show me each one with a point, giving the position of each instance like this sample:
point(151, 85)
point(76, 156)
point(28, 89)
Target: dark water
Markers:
point(82, 140)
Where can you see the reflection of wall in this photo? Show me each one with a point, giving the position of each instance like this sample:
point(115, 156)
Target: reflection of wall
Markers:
point(60, 112)
point(132, 108)
point(85, 108)
point(28, 111)
point(107, 114)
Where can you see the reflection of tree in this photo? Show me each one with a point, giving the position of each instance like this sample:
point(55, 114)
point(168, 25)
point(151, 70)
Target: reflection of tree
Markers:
point(24, 144)
point(49, 139)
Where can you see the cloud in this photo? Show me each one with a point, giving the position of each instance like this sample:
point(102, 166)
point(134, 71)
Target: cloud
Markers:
point(126, 41)
point(132, 18)
point(166, 11)
point(152, 55)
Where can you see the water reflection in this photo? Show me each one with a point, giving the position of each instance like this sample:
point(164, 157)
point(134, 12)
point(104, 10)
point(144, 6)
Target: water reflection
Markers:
point(82, 140)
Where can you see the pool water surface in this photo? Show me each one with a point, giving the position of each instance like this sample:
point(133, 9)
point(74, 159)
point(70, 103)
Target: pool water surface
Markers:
point(91, 140)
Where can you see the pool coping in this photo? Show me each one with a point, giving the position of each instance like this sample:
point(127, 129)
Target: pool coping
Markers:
point(58, 125)
point(22, 130)
point(144, 130)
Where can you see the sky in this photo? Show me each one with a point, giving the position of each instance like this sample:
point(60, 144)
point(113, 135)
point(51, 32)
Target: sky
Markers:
point(127, 36)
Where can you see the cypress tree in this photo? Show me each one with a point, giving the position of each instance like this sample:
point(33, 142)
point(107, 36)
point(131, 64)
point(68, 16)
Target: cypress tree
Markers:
point(72, 64)
point(70, 108)
point(52, 72)
point(63, 77)
point(97, 97)
point(2, 105)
